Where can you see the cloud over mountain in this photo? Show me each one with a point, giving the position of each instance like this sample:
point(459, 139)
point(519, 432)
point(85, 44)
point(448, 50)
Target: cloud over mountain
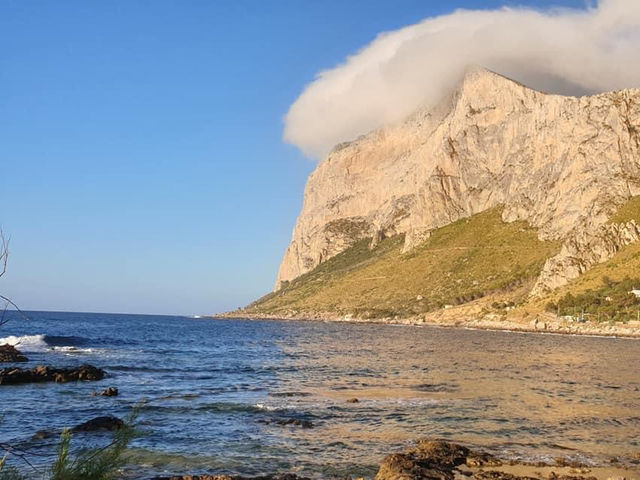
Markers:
point(559, 51)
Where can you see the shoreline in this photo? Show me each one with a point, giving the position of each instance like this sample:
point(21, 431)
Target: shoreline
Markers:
point(444, 459)
point(541, 324)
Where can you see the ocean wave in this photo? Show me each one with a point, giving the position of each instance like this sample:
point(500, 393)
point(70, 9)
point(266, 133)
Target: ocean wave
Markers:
point(27, 343)
point(43, 343)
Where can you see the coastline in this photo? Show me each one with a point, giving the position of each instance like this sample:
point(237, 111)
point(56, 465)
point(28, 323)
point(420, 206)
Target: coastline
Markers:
point(464, 317)
point(445, 460)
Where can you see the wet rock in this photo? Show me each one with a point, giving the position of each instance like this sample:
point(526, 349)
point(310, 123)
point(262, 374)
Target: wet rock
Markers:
point(495, 475)
point(107, 392)
point(555, 476)
point(296, 422)
point(442, 453)
point(10, 354)
point(43, 373)
point(430, 460)
point(100, 423)
point(404, 466)
point(440, 460)
point(43, 435)
point(481, 459)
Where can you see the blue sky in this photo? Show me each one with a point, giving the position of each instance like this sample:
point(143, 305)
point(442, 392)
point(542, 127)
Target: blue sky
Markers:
point(143, 168)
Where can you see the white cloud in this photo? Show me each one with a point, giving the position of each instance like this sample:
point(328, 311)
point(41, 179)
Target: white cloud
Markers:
point(558, 51)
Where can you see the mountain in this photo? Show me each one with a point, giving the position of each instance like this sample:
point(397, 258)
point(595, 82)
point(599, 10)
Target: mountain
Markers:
point(526, 181)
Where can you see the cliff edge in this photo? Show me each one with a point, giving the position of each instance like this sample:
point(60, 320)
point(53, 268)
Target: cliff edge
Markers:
point(564, 165)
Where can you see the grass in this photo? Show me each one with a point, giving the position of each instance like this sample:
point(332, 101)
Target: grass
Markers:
point(623, 265)
point(464, 261)
point(629, 211)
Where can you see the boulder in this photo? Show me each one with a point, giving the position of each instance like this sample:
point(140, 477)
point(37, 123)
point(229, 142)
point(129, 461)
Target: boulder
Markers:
point(44, 373)
point(10, 354)
point(404, 466)
point(430, 459)
point(107, 422)
point(108, 392)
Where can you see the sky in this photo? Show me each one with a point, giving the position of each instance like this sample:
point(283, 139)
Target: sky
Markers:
point(143, 164)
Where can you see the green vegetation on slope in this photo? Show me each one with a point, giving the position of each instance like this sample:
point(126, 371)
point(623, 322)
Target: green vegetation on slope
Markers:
point(629, 211)
point(613, 278)
point(613, 301)
point(463, 261)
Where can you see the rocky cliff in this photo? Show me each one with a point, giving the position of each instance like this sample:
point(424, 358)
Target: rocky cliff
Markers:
point(563, 164)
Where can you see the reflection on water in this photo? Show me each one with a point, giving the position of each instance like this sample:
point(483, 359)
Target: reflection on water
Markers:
point(218, 390)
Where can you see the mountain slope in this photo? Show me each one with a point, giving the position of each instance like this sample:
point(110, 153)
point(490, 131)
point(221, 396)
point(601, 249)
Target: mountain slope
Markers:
point(562, 164)
point(473, 258)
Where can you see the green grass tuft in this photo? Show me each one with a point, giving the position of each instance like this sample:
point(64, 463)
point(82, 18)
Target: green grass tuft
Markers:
point(629, 211)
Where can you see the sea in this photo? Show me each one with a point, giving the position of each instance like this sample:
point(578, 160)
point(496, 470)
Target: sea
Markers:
point(253, 397)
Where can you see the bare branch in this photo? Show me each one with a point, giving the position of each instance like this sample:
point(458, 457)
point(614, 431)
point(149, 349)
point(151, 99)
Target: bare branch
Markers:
point(4, 258)
point(16, 452)
point(4, 253)
point(22, 314)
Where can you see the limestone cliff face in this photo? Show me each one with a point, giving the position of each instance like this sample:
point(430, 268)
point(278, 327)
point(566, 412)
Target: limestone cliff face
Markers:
point(563, 164)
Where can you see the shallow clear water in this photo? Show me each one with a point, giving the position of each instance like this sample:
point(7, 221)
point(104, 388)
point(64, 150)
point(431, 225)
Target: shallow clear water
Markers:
point(215, 389)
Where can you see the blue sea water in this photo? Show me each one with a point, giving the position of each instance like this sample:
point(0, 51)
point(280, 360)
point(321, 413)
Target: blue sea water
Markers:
point(217, 391)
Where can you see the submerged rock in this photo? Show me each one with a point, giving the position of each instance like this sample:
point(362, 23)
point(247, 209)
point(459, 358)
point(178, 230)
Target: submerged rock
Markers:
point(9, 353)
point(107, 392)
point(43, 435)
point(100, 423)
point(43, 373)
point(296, 422)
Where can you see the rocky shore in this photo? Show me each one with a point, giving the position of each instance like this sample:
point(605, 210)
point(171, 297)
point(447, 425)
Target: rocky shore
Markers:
point(442, 460)
point(43, 373)
point(464, 316)
point(10, 354)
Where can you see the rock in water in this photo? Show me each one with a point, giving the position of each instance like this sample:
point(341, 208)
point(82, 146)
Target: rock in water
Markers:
point(43, 373)
point(99, 423)
point(110, 392)
point(9, 353)
point(563, 164)
point(429, 460)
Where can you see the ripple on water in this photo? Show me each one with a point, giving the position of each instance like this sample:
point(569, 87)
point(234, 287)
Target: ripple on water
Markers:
point(214, 389)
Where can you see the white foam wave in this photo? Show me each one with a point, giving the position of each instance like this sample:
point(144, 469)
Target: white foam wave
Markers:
point(26, 343)
point(72, 350)
point(38, 343)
